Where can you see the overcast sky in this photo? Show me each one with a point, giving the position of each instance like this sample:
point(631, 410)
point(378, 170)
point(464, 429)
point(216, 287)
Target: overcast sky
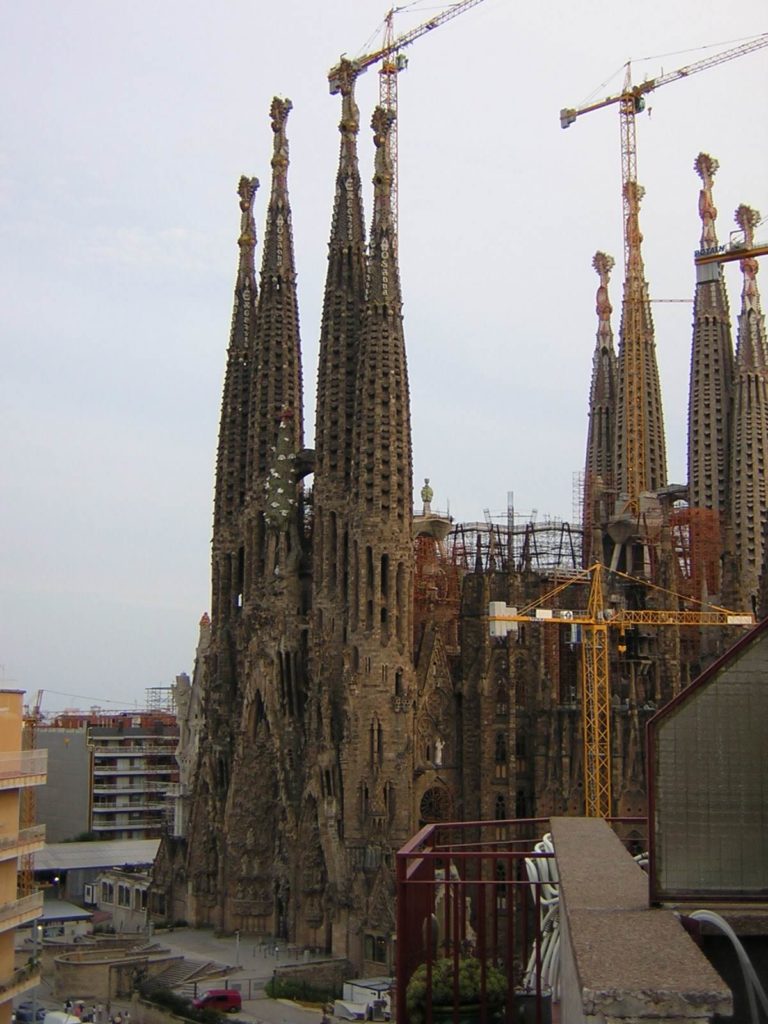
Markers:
point(125, 128)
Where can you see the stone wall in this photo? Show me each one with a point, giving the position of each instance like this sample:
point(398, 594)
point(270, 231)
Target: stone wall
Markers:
point(330, 974)
point(91, 976)
point(621, 959)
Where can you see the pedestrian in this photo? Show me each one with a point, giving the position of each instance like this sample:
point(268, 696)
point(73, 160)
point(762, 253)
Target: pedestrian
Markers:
point(117, 1019)
point(67, 1006)
point(126, 1018)
point(99, 1013)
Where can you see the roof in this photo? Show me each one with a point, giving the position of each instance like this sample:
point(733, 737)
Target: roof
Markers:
point(104, 853)
point(62, 910)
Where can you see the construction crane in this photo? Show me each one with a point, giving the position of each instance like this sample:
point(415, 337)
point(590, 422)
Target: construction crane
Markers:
point(28, 807)
point(741, 246)
point(597, 620)
point(393, 61)
point(631, 101)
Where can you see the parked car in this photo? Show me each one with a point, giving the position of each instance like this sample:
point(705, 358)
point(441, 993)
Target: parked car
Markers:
point(225, 1000)
point(28, 1013)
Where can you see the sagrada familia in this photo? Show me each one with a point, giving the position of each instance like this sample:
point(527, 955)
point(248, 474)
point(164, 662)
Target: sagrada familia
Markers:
point(347, 689)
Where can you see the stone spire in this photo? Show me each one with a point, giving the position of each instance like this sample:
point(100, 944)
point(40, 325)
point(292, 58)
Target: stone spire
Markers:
point(709, 398)
point(381, 520)
point(381, 471)
point(276, 375)
point(641, 460)
point(230, 490)
point(749, 447)
point(339, 350)
point(598, 469)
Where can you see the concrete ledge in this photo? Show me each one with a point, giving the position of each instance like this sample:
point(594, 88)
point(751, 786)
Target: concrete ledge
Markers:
point(623, 961)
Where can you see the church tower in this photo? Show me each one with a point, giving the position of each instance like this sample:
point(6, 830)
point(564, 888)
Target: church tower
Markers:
point(709, 401)
point(641, 459)
point(254, 689)
point(339, 353)
point(598, 469)
point(376, 752)
point(749, 447)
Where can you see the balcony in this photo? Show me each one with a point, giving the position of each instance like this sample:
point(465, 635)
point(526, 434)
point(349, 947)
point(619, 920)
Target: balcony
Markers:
point(26, 840)
point(139, 825)
point(23, 768)
point(149, 787)
point(164, 750)
point(19, 981)
point(484, 905)
point(110, 807)
point(474, 909)
point(20, 911)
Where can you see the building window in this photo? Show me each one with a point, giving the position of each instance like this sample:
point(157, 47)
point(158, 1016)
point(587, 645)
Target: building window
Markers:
point(107, 892)
point(376, 949)
point(501, 756)
point(123, 896)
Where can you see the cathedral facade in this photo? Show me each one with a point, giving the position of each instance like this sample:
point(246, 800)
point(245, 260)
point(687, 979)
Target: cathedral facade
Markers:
point(348, 690)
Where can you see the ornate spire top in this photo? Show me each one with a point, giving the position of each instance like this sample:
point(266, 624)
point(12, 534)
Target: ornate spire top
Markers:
point(278, 112)
point(246, 189)
point(603, 264)
point(748, 219)
point(350, 115)
point(706, 167)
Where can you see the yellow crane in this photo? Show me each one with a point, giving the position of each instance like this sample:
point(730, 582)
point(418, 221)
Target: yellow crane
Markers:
point(393, 61)
point(631, 101)
point(597, 620)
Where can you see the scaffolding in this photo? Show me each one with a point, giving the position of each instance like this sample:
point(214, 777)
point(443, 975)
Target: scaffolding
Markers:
point(506, 543)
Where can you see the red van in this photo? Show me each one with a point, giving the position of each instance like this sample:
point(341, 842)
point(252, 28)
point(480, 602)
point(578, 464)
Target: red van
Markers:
point(224, 1000)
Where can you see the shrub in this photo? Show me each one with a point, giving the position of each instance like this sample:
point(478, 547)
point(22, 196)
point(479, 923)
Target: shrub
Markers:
point(301, 990)
point(469, 986)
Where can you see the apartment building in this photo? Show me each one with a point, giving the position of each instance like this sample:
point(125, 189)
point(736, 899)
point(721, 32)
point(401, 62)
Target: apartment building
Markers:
point(134, 771)
point(112, 775)
point(19, 769)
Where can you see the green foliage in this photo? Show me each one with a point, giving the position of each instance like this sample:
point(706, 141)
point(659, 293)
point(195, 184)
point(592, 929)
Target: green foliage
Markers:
point(300, 990)
point(469, 984)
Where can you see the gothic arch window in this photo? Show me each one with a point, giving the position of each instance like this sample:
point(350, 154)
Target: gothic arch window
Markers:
point(500, 756)
point(502, 701)
point(500, 808)
point(436, 805)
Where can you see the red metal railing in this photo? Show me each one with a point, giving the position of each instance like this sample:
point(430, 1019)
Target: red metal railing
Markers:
point(471, 919)
point(478, 908)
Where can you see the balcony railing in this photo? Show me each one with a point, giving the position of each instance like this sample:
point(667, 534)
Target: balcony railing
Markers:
point(139, 805)
point(17, 912)
point(22, 764)
point(140, 825)
point(149, 787)
point(476, 907)
point(34, 836)
point(136, 752)
point(20, 980)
